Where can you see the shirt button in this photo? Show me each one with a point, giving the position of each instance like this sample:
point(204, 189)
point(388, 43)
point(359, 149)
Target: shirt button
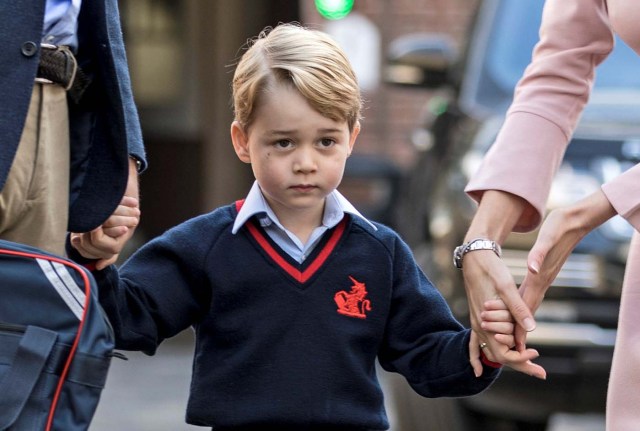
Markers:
point(29, 49)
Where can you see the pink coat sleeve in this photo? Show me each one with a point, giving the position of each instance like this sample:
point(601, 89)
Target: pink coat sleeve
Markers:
point(575, 36)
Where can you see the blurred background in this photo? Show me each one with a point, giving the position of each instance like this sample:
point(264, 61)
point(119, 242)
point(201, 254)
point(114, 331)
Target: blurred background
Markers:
point(182, 55)
point(436, 76)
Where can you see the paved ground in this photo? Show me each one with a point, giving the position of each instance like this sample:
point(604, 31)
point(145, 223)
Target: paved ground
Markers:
point(148, 393)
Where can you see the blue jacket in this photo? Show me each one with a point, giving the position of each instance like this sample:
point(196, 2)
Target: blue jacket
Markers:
point(287, 345)
point(104, 126)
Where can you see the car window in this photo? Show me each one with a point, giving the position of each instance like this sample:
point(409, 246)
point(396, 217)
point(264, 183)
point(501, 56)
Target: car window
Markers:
point(516, 33)
point(513, 35)
point(508, 45)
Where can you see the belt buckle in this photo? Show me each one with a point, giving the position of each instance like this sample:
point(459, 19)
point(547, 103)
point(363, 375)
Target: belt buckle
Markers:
point(71, 65)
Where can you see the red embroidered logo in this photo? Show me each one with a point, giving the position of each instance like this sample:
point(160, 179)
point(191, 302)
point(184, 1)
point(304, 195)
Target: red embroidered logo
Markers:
point(353, 304)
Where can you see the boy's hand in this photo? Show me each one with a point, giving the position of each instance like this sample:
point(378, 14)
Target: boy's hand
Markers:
point(497, 319)
point(107, 241)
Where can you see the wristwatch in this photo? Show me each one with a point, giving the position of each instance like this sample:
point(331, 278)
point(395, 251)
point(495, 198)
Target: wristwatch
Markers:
point(473, 245)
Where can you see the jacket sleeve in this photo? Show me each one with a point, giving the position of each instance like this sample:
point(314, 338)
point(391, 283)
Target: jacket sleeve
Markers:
point(620, 190)
point(423, 341)
point(130, 112)
point(575, 36)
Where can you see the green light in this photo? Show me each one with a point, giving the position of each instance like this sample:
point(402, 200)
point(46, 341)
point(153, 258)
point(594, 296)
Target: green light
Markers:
point(438, 105)
point(334, 9)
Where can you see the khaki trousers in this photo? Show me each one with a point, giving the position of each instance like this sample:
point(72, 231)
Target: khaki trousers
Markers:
point(34, 202)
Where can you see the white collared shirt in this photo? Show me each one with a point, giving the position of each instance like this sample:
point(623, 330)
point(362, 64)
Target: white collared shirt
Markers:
point(336, 205)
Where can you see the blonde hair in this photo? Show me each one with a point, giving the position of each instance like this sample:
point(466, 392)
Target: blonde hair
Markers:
point(309, 60)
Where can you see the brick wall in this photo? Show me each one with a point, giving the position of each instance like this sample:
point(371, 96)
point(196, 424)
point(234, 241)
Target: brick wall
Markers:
point(391, 113)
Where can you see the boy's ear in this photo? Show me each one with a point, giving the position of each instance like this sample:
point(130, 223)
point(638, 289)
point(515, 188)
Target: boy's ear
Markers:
point(354, 134)
point(240, 142)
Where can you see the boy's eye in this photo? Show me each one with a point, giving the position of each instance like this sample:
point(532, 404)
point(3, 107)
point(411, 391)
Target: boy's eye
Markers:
point(283, 143)
point(327, 142)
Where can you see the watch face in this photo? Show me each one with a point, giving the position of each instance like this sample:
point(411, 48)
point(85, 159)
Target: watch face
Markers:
point(476, 244)
point(457, 258)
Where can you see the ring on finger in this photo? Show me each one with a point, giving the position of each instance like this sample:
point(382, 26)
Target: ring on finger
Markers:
point(483, 345)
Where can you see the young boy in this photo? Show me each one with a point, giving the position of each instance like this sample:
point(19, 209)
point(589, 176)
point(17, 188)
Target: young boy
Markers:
point(292, 293)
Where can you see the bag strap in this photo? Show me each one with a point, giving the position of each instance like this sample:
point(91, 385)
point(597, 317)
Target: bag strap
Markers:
point(16, 386)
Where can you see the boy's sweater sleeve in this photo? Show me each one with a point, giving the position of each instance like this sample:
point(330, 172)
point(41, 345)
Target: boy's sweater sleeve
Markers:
point(424, 342)
point(160, 291)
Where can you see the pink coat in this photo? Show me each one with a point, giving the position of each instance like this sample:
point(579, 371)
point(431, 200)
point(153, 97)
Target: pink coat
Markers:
point(576, 36)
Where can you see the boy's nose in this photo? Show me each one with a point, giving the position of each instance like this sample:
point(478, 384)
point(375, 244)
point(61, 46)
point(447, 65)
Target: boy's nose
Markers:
point(305, 161)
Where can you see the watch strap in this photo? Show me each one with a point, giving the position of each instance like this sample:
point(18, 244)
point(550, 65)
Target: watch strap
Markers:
point(474, 245)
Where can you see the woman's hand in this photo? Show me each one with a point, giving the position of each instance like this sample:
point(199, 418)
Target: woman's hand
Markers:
point(497, 319)
point(561, 231)
point(487, 278)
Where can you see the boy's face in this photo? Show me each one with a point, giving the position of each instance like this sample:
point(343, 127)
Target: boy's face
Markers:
point(297, 155)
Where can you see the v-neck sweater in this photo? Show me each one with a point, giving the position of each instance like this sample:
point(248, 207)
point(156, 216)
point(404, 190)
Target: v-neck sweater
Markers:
point(284, 344)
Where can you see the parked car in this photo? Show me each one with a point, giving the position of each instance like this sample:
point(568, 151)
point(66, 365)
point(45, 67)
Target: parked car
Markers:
point(577, 321)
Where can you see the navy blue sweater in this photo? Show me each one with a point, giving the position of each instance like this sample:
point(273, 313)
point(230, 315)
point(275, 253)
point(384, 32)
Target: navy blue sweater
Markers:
point(284, 344)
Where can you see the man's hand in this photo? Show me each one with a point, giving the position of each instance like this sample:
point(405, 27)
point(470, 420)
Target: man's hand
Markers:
point(107, 241)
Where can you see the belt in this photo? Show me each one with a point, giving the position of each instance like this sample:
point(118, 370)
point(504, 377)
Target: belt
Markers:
point(58, 65)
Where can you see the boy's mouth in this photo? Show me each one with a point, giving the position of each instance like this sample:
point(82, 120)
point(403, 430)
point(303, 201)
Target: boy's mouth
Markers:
point(303, 187)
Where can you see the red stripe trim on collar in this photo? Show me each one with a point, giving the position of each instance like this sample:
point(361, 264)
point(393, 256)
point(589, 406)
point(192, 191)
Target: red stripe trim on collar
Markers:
point(300, 276)
point(239, 204)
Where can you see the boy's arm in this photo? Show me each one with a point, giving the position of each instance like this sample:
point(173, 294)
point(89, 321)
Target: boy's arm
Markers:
point(160, 290)
point(423, 340)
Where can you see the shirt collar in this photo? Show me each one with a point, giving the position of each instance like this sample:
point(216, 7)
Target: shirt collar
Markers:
point(336, 206)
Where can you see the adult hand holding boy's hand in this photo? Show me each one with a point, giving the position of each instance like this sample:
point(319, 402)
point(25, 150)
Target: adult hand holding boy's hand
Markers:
point(107, 241)
point(483, 273)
